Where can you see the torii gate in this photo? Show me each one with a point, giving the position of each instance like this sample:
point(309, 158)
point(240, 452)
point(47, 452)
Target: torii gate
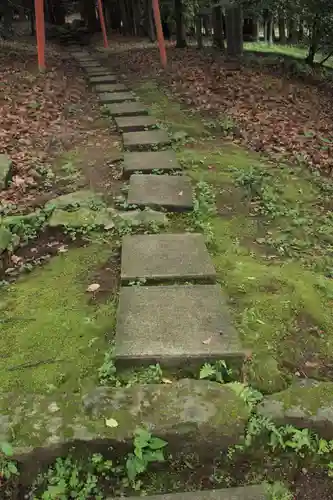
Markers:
point(40, 31)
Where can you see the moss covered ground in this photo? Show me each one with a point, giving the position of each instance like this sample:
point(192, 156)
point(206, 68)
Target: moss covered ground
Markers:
point(272, 246)
point(53, 334)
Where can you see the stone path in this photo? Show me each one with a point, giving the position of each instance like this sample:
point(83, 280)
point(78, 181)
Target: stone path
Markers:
point(243, 493)
point(179, 316)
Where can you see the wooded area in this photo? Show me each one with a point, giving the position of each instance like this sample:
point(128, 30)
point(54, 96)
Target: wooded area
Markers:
point(306, 22)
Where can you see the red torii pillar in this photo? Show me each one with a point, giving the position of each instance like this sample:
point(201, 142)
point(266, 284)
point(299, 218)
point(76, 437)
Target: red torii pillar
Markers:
point(40, 33)
point(159, 33)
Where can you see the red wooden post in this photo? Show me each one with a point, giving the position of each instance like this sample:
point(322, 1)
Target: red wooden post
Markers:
point(102, 21)
point(159, 32)
point(40, 33)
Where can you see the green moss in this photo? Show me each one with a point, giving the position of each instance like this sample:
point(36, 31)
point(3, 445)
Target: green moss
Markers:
point(309, 398)
point(51, 337)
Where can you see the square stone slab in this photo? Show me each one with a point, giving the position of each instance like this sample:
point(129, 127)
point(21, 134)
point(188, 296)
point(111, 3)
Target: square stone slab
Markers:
point(173, 325)
point(135, 123)
point(110, 81)
point(253, 492)
point(96, 71)
point(86, 63)
point(127, 109)
point(149, 161)
point(147, 139)
point(109, 98)
point(172, 192)
point(163, 257)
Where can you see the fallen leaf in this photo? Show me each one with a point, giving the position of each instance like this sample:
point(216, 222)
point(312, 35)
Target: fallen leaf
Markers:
point(180, 193)
point(93, 287)
point(111, 422)
point(166, 381)
point(207, 341)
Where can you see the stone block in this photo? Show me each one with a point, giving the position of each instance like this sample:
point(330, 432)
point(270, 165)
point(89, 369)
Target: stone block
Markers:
point(146, 139)
point(175, 326)
point(109, 98)
point(135, 123)
point(108, 80)
point(127, 109)
point(164, 257)
point(171, 192)
point(150, 161)
point(253, 492)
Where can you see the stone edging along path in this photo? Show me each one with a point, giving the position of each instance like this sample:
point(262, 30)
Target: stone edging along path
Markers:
point(165, 321)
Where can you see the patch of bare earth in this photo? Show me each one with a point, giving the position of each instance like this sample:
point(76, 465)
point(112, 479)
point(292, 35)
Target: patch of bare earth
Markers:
point(276, 115)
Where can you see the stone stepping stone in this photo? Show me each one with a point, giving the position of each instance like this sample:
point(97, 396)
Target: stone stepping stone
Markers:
point(96, 71)
point(106, 88)
point(147, 139)
point(172, 192)
point(85, 63)
point(165, 257)
point(110, 98)
point(149, 161)
point(253, 492)
point(127, 109)
point(135, 123)
point(174, 325)
point(107, 79)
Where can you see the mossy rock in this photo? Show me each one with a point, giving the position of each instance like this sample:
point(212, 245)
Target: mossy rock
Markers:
point(82, 217)
point(308, 404)
point(191, 415)
point(82, 198)
point(5, 170)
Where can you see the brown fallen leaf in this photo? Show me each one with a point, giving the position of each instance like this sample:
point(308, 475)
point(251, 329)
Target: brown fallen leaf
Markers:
point(207, 341)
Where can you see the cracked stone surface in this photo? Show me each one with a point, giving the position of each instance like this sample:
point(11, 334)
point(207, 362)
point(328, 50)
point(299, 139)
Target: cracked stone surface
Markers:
point(149, 161)
point(174, 325)
point(166, 257)
point(173, 193)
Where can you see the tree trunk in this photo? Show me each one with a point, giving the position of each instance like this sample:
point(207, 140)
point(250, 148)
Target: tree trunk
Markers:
point(198, 31)
point(282, 29)
point(314, 42)
point(89, 15)
point(180, 27)
point(114, 16)
point(269, 25)
point(7, 18)
point(206, 25)
point(58, 12)
point(218, 40)
point(136, 17)
point(234, 23)
point(150, 21)
point(292, 32)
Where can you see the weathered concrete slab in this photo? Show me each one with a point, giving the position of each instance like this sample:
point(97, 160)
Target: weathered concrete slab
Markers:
point(135, 123)
point(147, 139)
point(256, 492)
point(5, 170)
point(89, 63)
point(307, 404)
point(150, 161)
point(110, 98)
point(96, 71)
point(193, 416)
point(127, 109)
point(105, 88)
point(165, 257)
point(171, 192)
point(174, 325)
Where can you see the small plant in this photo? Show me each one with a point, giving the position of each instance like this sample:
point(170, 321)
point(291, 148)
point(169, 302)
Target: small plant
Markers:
point(147, 449)
point(107, 373)
point(278, 491)
point(8, 467)
point(203, 209)
point(217, 372)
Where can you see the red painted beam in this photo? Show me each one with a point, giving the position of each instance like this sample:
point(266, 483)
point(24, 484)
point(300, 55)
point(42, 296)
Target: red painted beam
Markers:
point(102, 21)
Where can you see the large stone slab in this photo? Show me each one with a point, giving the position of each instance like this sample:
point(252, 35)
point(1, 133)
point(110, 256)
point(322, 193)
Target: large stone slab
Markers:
point(193, 416)
point(86, 63)
point(165, 257)
point(135, 123)
point(107, 79)
point(146, 139)
point(96, 71)
point(174, 325)
point(127, 109)
point(307, 404)
point(109, 98)
point(171, 192)
point(105, 88)
point(149, 161)
point(256, 492)
point(5, 170)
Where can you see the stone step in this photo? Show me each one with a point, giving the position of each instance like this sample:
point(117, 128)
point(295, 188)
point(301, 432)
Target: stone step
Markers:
point(135, 123)
point(147, 139)
point(96, 71)
point(110, 82)
point(174, 325)
point(110, 98)
point(253, 492)
point(106, 88)
point(171, 192)
point(149, 161)
point(89, 63)
point(165, 257)
point(127, 109)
